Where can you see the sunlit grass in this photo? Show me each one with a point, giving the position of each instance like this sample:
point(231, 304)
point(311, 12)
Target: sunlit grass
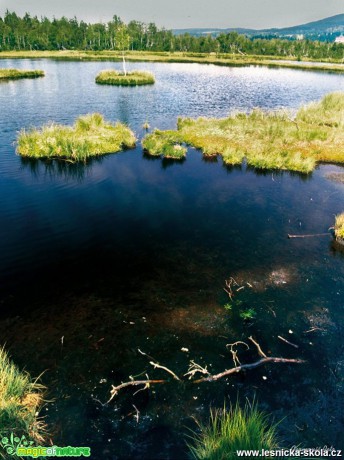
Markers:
point(164, 143)
point(90, 136)
point(339, 226)
point(134, 78)
point(20, 401)
point(15, 74)
point(232, 430)
point(267, 140)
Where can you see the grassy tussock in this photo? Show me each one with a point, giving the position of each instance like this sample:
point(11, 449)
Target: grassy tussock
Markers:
point(134, 78)
point(232, 430)
point(339, 226)
point(14, 74)
point(271, 140)
point(20, 400)
point(164, 143)
point(90, 136)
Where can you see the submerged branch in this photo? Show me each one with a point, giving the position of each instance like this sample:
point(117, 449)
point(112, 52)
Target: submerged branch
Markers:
point(194, 368)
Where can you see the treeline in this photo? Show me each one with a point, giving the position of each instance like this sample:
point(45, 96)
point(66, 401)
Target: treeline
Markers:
point(31, 33)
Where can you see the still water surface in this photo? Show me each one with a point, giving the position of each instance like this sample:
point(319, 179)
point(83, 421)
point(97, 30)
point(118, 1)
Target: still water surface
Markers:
point(127, 252)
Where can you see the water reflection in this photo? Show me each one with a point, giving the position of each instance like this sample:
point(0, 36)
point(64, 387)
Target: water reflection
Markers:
point(60, 169)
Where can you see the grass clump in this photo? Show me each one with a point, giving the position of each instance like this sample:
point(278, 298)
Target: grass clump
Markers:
point(271, 140)
point(15, 74)
point(165, 143)
point(20, 400)
point(134, 78)
point(339, 227)
point(90, 136)
point(232, 430)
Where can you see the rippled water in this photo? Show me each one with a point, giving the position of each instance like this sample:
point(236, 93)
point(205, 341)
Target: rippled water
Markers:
point(128, 252)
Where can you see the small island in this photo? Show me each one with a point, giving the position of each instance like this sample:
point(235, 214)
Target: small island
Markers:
point(15, 74)
point(134, 78)
point(276, 140)
point(164, 143)
point(90, 136)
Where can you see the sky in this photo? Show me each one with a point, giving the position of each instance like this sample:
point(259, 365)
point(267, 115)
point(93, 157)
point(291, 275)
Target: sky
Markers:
point(175, 14)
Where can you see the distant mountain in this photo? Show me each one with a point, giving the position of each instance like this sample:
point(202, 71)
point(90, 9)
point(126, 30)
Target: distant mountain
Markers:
point(324, 30)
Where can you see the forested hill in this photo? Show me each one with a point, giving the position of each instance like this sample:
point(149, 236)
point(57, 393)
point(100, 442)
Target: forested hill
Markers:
point(326, 29)
point(32, 33)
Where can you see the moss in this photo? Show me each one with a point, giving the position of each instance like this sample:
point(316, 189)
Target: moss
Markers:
point(134, 78)
point(90, 136)
point(267, 140)
point(15, 74)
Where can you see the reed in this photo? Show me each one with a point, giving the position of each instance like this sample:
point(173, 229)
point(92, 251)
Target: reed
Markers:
point(134, 78)
point(15, 74)
point(90, 136)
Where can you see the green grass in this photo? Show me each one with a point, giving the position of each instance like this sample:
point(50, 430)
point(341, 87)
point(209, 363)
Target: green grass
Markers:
point(266, 140)
point(339, 226)
point(15, 74)
point(90, 136)
point(134, 78)
point(164, 143)
point(232, 430)
point(20, 400)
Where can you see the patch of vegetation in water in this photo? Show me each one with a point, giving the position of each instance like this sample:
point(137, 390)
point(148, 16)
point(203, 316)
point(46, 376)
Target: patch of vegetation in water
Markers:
point(267, 140)
point(90, 136)
point(336, 177)
point(134, 78)
point(15, 74)
point(231, 430)
point(20, 400)
point(165, 143)
point(339, 227)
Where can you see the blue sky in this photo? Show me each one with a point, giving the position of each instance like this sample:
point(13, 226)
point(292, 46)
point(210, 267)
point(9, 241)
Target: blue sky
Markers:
point(185, 13)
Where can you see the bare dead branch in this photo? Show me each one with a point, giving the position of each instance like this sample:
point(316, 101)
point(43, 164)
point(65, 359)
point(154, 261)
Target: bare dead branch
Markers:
point(287, 341)
point(243, 367)
point(235, 352)
point(146, 383)
point(194, 368)
point(156, 365)
point(260, 352)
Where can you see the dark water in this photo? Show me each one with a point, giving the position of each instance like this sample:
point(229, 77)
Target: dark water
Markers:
point(126, 252)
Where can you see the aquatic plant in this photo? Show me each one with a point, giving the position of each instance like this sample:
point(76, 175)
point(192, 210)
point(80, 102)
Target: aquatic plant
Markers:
point(339, 227)
point(165, 143)
point(20, 401)
point(15, 74)
point(90, 136)
point(267, 140)
point(134, 78)
point(231, 430)
point(249, 313)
